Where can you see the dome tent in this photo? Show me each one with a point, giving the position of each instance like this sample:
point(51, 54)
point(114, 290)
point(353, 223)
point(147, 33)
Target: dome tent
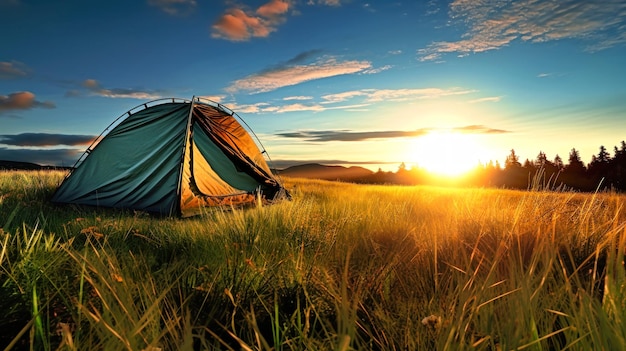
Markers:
point(173, 157)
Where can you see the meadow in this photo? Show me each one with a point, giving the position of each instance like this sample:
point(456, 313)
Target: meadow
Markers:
point(339, 267)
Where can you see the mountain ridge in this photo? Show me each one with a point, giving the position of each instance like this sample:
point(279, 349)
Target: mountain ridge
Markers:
point(25, 166)
point(325, 172)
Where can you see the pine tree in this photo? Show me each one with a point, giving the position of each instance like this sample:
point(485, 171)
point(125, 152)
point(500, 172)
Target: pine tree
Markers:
point(528, 164)
point(541, 159)
point(620, 153)
point(617, 168)
point(603, 155)
point(574, 163)
point(599, 168)
point(512, 161)
point(558, 163)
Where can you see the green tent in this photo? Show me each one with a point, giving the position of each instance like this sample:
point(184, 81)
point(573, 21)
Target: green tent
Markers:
point(173, 157)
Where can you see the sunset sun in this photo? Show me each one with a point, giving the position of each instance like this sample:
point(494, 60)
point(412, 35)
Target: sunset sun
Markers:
point(445, 153)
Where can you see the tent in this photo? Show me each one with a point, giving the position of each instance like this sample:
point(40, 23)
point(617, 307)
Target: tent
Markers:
point(172, 157)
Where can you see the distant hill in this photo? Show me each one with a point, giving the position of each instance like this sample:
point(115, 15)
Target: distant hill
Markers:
point(24, 166)
point(318, 171)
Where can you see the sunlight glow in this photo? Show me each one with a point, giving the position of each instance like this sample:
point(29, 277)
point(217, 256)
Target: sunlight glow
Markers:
point(445, 153)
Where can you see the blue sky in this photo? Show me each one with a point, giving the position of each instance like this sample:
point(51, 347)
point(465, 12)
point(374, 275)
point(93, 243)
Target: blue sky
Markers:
point(370, 83)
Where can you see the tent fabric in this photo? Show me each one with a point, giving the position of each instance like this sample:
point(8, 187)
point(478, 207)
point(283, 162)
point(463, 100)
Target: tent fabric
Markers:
point(207, 154)
point(238, 145)
point(172, 158)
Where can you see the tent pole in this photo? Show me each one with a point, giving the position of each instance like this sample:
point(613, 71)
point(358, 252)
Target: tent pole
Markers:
point(179, 188)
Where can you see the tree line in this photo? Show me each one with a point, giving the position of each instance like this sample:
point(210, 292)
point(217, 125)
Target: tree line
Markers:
point(604, 172)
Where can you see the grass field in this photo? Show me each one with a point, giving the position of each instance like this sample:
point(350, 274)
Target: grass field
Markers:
point(339, 267)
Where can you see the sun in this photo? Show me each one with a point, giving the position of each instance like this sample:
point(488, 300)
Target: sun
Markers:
point(445, 152)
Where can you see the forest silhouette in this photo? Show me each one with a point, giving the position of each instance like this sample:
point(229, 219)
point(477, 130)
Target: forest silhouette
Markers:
point(604, 172)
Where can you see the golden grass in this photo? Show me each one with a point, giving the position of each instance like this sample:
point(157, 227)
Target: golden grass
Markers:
point(341, 266)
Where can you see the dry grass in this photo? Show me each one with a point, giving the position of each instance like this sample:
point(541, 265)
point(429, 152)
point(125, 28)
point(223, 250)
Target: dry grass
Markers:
point(341, 266)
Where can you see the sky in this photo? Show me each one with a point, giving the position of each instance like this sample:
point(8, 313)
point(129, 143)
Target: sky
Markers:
point(355, 83)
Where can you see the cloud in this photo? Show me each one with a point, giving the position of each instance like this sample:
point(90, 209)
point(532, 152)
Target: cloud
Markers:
point(377, 70)
point(303, 57)
point(429, 55)
point(45, 139)
point(479, 129)
point(344, 96)
point(174, 7)
point(367, 97)
point(214, 98)
point(281, 164)
point(264, 107)
point(295, 74)
point(486, 99)
point(289, 98)
point(238, 25)
point(251, 108)
point(395, 95)
point(94, 88)
point(410, 94)
point(295, 108)
point(325, 2)
point(494, 24)
point(23, 100)
point(348, 135)
point(432, 7)
point(14, 69)
point(274, 8)
point(53, 157)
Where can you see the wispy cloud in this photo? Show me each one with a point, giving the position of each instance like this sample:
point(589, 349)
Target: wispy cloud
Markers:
point(486, 99)
point(284, 163)
point(288, 75)
point(377, 70)
point(395, 95)
point(410, 94)
point(325, 2)
point(54, 157)
point(359, 100)
point(348, 135)
point(432, 7)
point(344, 96)
point(479, 129)
point(215, 98)
point(23, 100)
point(174, 7)
point(45, 139)
point(494, 24)
point(290, 98)
point(241, 25)
point(294, 108)
point(93, 87)
point(13, 69)
point(303, 57)
point(264, 107)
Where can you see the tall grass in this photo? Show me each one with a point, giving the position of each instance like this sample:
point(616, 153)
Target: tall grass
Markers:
point(339, 267)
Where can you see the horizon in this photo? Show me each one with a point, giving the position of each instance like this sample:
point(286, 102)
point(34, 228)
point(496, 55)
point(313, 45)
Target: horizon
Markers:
point(341, 82)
